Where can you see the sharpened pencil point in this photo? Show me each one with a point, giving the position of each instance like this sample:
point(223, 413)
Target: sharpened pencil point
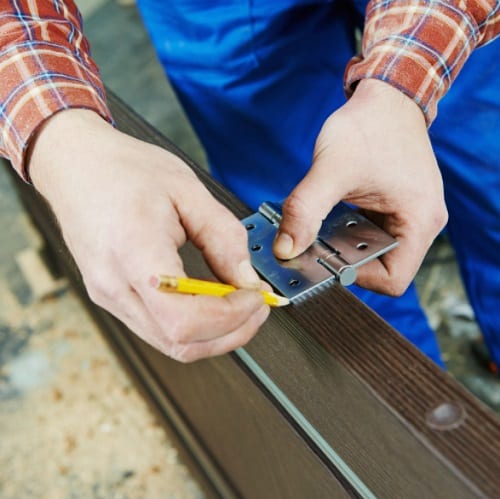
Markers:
point(282, 301)
point(275, 300)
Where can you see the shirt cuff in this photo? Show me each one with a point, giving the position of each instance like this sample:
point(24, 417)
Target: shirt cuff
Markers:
point(50, 80)
point(417, 47)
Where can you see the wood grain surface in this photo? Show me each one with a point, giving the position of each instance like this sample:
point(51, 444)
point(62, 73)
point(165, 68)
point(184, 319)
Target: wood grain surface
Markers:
point(354, 389)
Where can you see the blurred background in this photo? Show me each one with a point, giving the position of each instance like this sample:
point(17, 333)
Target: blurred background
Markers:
point(71, 423)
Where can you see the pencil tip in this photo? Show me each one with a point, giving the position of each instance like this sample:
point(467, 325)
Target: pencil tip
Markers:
point(282, 301)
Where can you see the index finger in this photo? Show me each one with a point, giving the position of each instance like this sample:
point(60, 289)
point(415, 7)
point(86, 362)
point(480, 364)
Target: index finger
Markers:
point(392, 273)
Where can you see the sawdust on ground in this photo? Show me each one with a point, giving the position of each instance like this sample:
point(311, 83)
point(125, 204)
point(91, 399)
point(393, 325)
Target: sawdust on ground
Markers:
point(71, 423)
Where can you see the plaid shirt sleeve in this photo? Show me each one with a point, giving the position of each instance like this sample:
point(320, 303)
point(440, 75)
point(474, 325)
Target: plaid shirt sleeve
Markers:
point(45, 67)
point(419, 46)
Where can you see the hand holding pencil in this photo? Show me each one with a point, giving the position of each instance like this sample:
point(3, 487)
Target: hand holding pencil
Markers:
point(148, 205)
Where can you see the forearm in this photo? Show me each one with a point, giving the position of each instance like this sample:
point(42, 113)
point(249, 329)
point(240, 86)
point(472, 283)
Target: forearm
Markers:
point(420, 46)
point(45, 67)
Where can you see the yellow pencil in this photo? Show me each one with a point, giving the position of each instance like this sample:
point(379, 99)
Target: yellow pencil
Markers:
point(169, 284)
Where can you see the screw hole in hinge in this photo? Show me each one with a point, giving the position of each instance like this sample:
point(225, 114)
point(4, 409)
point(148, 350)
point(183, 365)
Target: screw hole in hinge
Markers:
point(362, 246)
point(293, 282)
point(256, 247)
point(250, 226)
point(351, 223)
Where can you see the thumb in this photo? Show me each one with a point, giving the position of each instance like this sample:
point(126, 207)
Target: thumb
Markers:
point(220, 236)
point(304, 211)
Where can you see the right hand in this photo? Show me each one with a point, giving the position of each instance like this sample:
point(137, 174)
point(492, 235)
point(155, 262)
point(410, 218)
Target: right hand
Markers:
point(125, 207)
point(375, 153)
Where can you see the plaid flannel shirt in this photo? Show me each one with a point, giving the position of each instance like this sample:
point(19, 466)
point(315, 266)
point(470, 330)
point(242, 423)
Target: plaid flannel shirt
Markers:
point(418, 46)
point(45, 67)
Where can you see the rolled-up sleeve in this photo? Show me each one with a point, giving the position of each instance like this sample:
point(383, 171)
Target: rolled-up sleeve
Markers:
point(45, 67)
point(420, 46)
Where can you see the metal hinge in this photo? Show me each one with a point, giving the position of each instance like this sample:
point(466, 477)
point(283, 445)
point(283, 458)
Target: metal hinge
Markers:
point(345, 241)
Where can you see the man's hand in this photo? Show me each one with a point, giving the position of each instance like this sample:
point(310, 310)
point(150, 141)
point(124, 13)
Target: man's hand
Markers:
point(125, 207)
point(373, 152)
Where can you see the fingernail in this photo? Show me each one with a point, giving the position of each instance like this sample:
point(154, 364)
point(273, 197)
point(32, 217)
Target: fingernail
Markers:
point(248, 276)
point(283, 245)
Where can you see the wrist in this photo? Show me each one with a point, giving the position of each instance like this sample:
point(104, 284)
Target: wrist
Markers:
point(382, 98)
point(57, 144)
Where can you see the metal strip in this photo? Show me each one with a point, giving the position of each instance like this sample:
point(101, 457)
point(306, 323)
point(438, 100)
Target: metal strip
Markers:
point(306, 426)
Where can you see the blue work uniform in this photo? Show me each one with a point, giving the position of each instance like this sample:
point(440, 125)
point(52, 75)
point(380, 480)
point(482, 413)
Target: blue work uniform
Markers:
point(257, 79)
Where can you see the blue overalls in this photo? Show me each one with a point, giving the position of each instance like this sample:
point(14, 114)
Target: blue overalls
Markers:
point(257, 78)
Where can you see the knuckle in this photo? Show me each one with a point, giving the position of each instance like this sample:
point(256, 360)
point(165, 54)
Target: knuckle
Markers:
point(217, 310)
point(94, 296)
point(227, 236)
point(181, 353)
point(238, 232)
point(391, 287)
point(436, 217)
point(396, 288)
point(230, 314)
point(295, 207)
point(232, 229)
point(245, 340)
point(100, 289)
point(441, 217)
point(138, 282)
point(227, 311)
point(179, 334)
